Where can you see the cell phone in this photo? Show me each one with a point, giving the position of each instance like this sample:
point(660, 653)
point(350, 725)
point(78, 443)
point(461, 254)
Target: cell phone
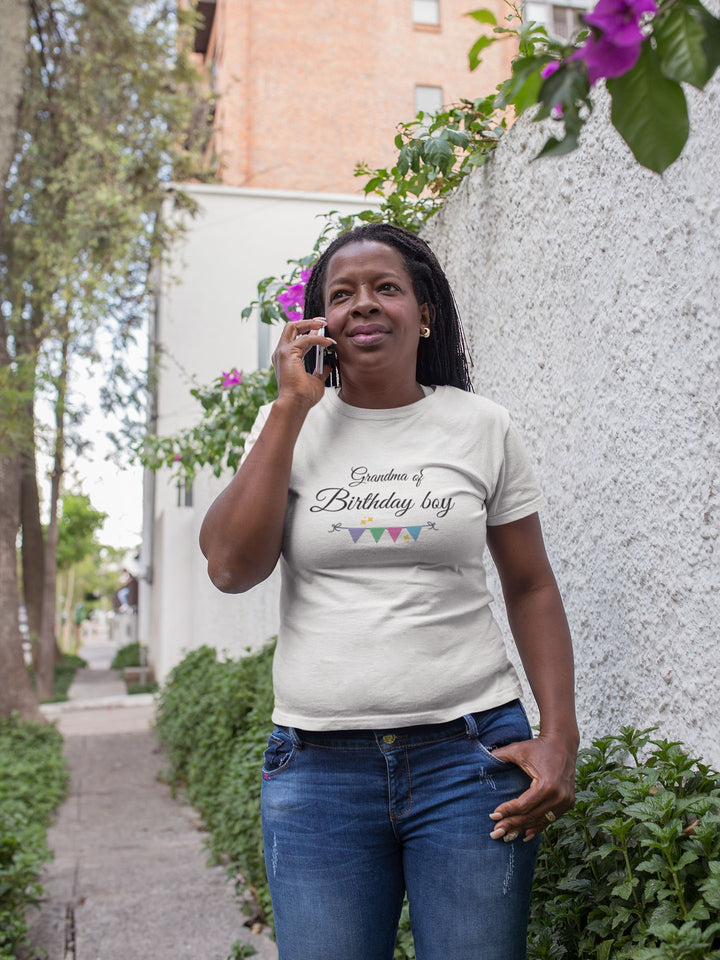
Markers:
point(320, 352)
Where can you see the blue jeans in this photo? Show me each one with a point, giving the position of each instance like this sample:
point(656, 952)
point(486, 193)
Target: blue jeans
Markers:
point(353, 819)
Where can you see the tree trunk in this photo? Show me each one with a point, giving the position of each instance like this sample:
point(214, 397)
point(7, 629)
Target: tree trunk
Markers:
point(33, 546)
point(48, 644)
point(16, 692)
point(14, 17)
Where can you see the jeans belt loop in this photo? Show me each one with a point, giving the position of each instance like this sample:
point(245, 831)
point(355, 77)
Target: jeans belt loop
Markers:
point(471, 725)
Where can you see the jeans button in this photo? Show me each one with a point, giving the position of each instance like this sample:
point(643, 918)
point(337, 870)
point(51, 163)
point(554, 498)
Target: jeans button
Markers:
point(389, 738)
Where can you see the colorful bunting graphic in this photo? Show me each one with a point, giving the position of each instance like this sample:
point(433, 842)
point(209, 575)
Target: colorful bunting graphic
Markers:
point(393, 532)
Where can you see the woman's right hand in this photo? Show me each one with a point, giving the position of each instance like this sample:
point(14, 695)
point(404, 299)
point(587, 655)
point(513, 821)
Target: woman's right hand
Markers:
point(294, 382)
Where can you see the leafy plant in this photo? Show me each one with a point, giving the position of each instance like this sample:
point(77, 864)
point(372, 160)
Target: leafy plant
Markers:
point(213, 718)
point(219, 439)
point(127, 656)
point(33, 780)
point(633, 871)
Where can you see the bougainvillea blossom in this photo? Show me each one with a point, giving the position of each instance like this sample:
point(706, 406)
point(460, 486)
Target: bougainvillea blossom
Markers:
point(613, 47)
point(292, 299)
point(231, 379)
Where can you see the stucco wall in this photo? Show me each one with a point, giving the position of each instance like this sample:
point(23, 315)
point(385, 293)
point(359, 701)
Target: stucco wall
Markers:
point(590, 291)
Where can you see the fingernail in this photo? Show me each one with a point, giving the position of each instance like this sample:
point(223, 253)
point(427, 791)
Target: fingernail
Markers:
point(496, 816)
point(496, 834)
point(508, 838)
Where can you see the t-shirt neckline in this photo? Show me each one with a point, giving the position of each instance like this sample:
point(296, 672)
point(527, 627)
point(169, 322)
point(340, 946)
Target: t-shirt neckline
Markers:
point(370, 413)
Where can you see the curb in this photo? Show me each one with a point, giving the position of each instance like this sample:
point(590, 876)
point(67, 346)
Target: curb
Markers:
point(99, 703)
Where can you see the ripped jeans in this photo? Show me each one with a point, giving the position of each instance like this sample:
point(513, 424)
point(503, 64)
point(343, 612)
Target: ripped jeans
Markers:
point(353, 819)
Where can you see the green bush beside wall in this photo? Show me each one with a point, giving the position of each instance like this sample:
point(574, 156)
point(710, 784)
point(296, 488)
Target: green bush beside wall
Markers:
point(631, 873)
point(33, 780)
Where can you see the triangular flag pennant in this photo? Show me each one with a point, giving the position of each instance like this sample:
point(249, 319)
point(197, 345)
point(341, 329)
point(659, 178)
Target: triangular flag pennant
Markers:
point(394, 532)
point(356, 532)
point(377, 532)
point(414, 532)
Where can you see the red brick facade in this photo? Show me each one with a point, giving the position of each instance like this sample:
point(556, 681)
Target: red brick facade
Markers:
point(310, 87)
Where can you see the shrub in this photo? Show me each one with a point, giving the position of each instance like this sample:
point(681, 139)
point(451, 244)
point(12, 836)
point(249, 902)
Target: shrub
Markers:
point(213, 718)
point(631, 873)
point(33, 779)
point(127, 656)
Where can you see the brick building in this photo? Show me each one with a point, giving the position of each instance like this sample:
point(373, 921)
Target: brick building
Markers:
point(308, 88)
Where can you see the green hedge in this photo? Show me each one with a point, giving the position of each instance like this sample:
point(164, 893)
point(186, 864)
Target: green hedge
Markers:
point(127, 656)
point(33, 780)
point(631, 873)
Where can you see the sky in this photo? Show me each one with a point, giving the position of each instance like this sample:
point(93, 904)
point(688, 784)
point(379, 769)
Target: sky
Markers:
point(114, 488)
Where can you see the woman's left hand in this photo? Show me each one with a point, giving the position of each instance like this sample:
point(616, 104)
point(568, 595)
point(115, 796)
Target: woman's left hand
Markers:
point(550, 762)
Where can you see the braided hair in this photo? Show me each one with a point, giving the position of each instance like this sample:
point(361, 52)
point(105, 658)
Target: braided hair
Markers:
point(442, 357)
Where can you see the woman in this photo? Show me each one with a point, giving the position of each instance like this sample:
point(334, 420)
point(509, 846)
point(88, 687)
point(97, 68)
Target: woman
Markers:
point(402, 759)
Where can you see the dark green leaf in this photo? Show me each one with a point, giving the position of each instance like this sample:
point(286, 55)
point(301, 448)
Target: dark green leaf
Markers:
point(680, 35)
point(649, 112)
point(438, 152)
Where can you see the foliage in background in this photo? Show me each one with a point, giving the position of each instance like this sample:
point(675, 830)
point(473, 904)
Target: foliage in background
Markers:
point(213, 719)
point(33, 780)
point(64, 674)
point(127, 656)
point(229, 411)
point(631, 873)
point(644, 50)
point(109, 100)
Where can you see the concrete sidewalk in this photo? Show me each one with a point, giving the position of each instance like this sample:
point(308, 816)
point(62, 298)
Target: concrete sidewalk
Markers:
point(129, 879)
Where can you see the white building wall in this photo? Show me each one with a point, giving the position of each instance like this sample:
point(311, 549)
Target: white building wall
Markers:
point(590, 291)
point(238, 237)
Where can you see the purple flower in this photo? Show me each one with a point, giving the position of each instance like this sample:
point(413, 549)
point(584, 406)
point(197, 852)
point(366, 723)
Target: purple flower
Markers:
point(177, 457)
point(292, 299)
point(619, 20)
point(231, 379)
point(549, 69)
point(614, 46)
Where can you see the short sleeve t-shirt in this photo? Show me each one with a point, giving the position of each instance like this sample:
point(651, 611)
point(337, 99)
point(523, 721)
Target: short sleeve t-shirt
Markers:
point(384, 611)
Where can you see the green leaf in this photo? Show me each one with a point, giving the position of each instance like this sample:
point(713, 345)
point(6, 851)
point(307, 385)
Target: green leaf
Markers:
point(680, 35)
point(649, 112)
point(483, 16)
point(523, 87)
point(477, 48)
point(438, 152)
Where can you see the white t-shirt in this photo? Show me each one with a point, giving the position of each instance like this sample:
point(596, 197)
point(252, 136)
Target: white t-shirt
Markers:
point(384, 611)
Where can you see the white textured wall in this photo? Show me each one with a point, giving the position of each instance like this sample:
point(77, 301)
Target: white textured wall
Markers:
point(590, 290)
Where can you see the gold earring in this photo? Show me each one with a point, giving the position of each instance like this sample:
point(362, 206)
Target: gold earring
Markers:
point(425, 332)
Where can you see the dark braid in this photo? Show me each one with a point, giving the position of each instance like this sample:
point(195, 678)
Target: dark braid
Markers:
point(442, 357)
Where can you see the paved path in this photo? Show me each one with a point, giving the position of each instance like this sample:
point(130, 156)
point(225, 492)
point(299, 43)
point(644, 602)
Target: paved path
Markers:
point(129, 879)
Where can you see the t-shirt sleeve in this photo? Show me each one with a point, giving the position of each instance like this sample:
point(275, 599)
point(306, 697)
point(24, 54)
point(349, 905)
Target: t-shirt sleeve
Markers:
point(517, 493)
point(255, 431)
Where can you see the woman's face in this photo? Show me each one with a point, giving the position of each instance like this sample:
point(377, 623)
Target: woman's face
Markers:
point(371, 310)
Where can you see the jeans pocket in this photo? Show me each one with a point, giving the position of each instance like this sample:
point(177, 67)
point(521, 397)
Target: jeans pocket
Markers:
point(278, 753)
point(499, 727)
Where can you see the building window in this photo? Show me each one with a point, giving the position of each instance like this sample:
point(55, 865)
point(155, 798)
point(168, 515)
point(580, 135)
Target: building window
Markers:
point(428, 99)
point(562, 21)
point(426, 12)
point(185, 494)
point(566, 22)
